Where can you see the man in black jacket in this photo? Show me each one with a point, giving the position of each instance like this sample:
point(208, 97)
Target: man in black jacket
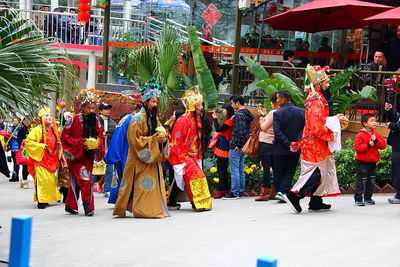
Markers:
point(379, 64)
point(288, 128)
point(240, 134)
point(108, 126)
point(394, 141)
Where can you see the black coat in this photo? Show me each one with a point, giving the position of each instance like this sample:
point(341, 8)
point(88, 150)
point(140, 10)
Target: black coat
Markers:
point(288, 128)
point(394, 135)
point(111, 128)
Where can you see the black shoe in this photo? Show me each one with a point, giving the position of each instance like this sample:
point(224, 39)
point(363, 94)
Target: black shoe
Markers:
point(196, 209)
point(294, 201)
point(71, 211)
point(13, 179)
point(317, 205)
point(89, 212)
point(174, 206)
point(230, 196)
point(42, 205)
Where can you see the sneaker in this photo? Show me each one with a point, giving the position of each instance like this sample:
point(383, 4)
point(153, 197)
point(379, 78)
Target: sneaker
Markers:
point(279, 196)
point(230, 196)
point(359, 203)
point(220, 194)
point(394, 200)
point(25, 185)
point(71, 211)
point(175, 206)
point(293, 201)
point(369, 202)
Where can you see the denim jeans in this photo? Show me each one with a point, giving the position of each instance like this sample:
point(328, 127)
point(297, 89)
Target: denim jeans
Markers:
point(108, 177)
point(238, 176)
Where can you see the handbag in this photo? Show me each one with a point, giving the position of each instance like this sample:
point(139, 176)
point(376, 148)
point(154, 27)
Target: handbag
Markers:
point(214, 139)
point(252, 147)
point(20, 155)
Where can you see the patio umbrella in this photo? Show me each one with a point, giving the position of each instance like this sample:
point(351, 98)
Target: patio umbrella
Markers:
point(324, 15)
point(119, 4)
point(163, 5)
point(388, 17)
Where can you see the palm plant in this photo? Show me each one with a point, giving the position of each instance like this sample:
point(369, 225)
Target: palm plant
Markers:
point(160, 61)
point(30, 70)
point(203, 73)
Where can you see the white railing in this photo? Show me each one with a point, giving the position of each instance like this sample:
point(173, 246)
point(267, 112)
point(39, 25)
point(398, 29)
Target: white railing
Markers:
point(67, 29)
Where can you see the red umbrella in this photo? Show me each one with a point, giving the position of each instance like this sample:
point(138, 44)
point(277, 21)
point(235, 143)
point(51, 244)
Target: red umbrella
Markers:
point(389, 17)
point(324, 15)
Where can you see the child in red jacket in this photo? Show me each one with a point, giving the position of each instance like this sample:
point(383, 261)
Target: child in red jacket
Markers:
point(366, 146)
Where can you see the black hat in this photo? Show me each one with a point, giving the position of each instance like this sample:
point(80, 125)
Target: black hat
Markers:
point(104, 105)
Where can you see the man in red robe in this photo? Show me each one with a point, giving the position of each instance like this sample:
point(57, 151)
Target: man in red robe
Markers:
point(186, 152)
point(82, 140)
point(321, 136)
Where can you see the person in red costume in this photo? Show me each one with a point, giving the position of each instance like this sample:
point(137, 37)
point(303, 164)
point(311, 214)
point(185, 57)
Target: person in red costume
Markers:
point(321, 137)
point(186, 152)
point(82, 141)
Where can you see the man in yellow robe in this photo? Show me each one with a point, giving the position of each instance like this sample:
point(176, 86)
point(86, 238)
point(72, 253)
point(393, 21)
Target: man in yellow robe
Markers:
point(142, 189)
point(43, 146)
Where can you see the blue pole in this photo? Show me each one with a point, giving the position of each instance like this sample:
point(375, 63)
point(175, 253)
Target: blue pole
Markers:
point(20, 246)
point(267, 261)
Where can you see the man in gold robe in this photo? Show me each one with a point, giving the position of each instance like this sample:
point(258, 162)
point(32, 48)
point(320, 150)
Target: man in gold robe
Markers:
point(142, 189)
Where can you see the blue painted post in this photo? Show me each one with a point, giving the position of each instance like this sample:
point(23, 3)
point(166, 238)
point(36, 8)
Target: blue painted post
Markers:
point(20, 246)
point(267, 261)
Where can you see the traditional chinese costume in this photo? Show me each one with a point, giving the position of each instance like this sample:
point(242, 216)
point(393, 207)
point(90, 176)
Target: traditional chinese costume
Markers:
point(142, 188)
point(43, 150)
point(186, 154)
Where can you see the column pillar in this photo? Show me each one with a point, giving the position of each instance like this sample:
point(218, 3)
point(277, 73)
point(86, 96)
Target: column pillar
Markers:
point(91, 81)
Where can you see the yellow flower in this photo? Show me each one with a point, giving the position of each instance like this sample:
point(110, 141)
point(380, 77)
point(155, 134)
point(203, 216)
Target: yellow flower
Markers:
point(216, 180)
point(91, 90)
point(84, 91)
point(262, 168)
point(249, 171)
point(213, 169)
point(253, 166)
point(57, 108)
point(271, 170)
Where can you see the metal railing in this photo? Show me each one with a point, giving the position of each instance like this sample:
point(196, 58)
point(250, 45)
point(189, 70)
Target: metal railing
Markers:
point(358, 80)
point(65, 27)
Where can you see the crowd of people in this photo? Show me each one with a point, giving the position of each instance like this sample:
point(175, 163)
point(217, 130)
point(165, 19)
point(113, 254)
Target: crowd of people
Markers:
point(133, 157)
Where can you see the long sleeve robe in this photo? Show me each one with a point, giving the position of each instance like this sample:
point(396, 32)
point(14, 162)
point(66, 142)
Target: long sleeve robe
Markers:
point(43, 163)
point(142, 174)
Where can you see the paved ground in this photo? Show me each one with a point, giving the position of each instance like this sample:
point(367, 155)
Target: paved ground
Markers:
point(234, 233)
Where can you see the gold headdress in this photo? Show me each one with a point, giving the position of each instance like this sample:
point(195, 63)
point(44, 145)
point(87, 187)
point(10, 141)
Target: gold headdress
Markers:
point(191, 98)
point(41, 114)
point(316, 74)
point(88, 97)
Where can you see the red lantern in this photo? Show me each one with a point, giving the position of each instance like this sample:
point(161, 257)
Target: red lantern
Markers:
point(83, 17)
point(84, 8)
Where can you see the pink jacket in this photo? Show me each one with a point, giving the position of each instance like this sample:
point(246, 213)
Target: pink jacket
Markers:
point(267, 129)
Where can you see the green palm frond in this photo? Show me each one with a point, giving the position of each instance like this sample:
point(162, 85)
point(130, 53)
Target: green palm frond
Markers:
point(29, 69)
point(160, 61)
point(203, 73)
point(349, 99)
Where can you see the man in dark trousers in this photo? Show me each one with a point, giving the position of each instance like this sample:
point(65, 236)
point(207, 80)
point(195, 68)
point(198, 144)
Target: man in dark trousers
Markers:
point(394, 141)
point(108, 126)
point(288, 128)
